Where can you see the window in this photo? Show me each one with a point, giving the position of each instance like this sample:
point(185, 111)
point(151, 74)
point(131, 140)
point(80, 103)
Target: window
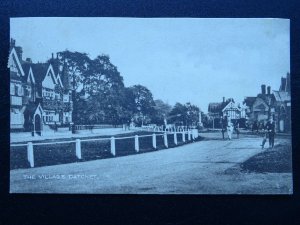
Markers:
point(16, 90)
point(20, 91)
point(27, 91)
point(12, 88)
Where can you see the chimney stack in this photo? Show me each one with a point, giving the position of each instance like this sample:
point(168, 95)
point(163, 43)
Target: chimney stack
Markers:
point(263, 89)
point(223, 99)
point(12, 42)
point(269, 90)
point(52, 55)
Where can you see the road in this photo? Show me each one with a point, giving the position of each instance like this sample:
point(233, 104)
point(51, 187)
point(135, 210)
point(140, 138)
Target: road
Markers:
point(205, 167)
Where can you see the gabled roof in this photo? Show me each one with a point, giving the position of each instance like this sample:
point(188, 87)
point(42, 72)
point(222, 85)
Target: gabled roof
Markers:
point(32, 107)
point(216, 107)
point(58, 80)
point(282, 96)
point(234, 106)
point(268, 98)
point(14, 56)
point(249, 101)
point(40, 70)
point(29, 76)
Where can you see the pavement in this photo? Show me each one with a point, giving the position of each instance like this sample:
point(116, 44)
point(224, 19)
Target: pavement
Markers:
point(26, 136)
point(205, 167)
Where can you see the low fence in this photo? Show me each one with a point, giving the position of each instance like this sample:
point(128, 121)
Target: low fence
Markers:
point(166, 129)
point(97, 126)
point(75, 146)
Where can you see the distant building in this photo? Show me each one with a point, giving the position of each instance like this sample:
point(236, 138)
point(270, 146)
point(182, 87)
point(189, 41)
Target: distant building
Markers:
point(261, 107)
point(276, 104)
point(283, 105)
point(227, 108)
point(38, 98)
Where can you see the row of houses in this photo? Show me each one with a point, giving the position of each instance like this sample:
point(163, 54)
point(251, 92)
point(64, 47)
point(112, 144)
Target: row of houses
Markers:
point(258, 109)
point(228, 108)
point(275, 104)
point(40, 97)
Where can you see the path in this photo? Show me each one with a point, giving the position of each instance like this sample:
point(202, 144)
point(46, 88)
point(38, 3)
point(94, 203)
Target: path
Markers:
point(206, 167)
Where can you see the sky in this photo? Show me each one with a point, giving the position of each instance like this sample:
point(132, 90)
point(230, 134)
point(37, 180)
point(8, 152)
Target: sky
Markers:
point(178, 59)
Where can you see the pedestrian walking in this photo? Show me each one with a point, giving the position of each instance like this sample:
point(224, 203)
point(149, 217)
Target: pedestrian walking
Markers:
point(237, 129)
point(270, 126)
point(223, 127)
point(265, 137)
point(229, 129)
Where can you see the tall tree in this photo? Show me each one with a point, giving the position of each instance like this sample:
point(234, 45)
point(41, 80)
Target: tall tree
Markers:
point(74, 66)
point(103, 91)
point(162, 111)
point(186, 114)
point(102, 76)
point(142, 102)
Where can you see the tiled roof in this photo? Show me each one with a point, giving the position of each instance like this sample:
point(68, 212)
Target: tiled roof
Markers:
point(282, 96)
point(31, 108)
point(26, 68)
point(249, 101)
point(269, 99)
point(39, 71)
point(216, 107)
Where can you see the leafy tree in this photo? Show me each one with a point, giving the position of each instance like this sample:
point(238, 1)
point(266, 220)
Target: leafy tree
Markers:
point(73, 65)
point(162, 110)
point(186, 114)
point(142, 103)
point(177, 114)
point(102, 76)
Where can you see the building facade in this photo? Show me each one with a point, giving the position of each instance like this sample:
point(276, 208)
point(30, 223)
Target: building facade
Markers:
point(225, 109)
point(38, 99)
point(275, 104)
point(283, 105)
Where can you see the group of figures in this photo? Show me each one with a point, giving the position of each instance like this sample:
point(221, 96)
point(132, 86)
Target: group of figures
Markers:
point(269, 133)
point(228, 126)
point(268, 130)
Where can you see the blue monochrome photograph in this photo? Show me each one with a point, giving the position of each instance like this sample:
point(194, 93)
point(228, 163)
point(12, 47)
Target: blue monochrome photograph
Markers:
point(150, 106)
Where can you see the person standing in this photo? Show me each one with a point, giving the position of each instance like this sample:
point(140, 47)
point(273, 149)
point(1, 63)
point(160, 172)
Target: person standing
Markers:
point(223, 127)
point(229, 129)
point(270, 126)
point(237, 129)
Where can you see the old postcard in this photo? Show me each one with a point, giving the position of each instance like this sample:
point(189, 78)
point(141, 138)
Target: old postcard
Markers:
point(150, 106)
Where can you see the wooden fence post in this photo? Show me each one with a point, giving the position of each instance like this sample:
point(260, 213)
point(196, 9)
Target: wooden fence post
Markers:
point(189, 135)
point(136, 143)
point(183, 136)
point(196, 133)
point(166, 139)
point(78, 149)
point(30, 155)
point(154, 140)
point(175, 138)
point(113, 146)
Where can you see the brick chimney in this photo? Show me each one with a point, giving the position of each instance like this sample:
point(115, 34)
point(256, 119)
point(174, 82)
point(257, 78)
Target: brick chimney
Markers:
point(263, 89)
point(12, 42)
point(28, 60)
point(223, 99)
point(269, 90)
